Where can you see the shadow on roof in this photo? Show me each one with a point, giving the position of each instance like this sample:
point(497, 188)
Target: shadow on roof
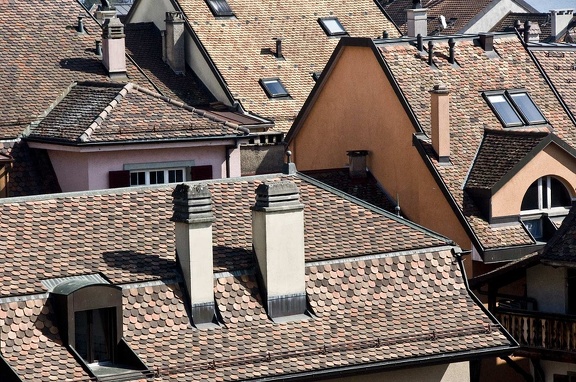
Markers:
point(140, 263)
point(84, 65)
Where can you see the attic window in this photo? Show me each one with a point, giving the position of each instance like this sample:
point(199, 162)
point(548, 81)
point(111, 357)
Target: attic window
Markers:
point(514, 108)
point(220, 8)
point(332, 26)
point(274, 88)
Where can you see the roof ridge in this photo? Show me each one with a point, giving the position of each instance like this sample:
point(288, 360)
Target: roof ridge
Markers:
point(85, 137)
point(526, 132)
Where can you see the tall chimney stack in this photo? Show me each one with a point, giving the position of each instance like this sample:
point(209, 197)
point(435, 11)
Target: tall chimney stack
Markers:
point(192, 206)
point(174, 40)
point(114, 48)
point(560, 19)
point(417, 20)
point(278, 240)
point(440, 122)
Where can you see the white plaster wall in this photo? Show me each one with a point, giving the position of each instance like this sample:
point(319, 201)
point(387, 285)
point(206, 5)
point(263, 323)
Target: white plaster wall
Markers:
point(89, 170)
point(455, 372)
point(548, 286)
point(491, 15)
point(550, 368)
point(152, 11)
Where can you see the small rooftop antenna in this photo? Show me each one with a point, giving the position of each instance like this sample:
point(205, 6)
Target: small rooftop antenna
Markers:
point(442, 21)
point(397, 208)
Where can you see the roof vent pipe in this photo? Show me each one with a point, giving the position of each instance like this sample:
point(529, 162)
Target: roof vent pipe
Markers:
point(527, 25)
point(451, 45)
point(80, 27)
point(486, 41)
point(385, 34)
point(430, 53)
point(278, 47)
point(98, 49)
point(419, 43)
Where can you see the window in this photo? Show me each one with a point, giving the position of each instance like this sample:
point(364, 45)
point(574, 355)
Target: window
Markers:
point(94, 333)
point(274, 88)
point(220, 8)
point(148, 177)
point(545, 200)
point(514, 108)
point(332, 26)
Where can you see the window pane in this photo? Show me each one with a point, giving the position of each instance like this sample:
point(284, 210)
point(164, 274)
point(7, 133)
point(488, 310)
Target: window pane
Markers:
point(527, 108)
point(559, 194)
point(275, 88)
point(102, 334)
point(220, 8)
point(535, 227)
point(333, 27)
point(175, 176)
point(156, 177)
point(530, 201)
point(137, 178)
point(81, 334)
point(505, 110)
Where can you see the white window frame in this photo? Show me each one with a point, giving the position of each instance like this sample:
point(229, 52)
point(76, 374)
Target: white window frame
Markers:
point(166, 172)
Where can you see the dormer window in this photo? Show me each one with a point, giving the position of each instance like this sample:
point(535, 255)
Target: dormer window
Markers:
point(274, 88)
point(220, 8)
point(514, 108)
point(545, 201)
point(332, 26)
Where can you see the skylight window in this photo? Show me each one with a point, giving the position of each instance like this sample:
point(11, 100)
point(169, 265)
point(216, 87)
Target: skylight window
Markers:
point(514, 108)
point(332, 26)
point(274, 88)
point(220, 8)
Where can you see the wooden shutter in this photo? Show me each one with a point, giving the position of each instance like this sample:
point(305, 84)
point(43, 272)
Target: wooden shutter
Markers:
point(118, 179)
point(201, 172)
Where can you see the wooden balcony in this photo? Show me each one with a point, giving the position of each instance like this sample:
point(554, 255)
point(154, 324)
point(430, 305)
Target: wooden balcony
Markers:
point(550, 336)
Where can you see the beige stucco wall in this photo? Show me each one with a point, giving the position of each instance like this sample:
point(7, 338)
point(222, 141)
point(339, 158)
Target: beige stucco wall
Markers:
point(455, 372)
point(152, 11)
point(550, 368)
point(548, 286)
point(357, 109)
point(551, 161)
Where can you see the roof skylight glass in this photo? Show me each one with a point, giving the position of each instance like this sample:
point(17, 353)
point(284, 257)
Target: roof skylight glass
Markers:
point(332, 26)
point(274, 88)
point(514, 108)
point(220, 8)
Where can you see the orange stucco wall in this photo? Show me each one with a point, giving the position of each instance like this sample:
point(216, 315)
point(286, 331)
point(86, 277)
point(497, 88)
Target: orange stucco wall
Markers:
point(551, 161)
point(357, 109)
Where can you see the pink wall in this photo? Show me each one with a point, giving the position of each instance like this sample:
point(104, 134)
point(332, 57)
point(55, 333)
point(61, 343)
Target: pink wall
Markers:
point(80, 171)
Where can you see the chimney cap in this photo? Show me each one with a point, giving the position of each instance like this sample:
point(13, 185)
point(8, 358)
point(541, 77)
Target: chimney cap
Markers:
point(440, 89)
point(279, 195)
point(192, 204)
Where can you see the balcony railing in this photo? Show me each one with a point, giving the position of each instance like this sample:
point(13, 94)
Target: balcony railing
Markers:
point(540, 331)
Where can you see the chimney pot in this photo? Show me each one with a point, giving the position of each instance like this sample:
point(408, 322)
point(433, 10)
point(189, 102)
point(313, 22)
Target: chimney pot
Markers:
point(98, 49)
point(278, 53)
point(486, 41)
point(80, 27)
point(440, 122)
point(451, 44)
point(192, 215)
point(430, 53)
point(527, 25)
point(385, 34)
point(419, 43)
point(278, 241)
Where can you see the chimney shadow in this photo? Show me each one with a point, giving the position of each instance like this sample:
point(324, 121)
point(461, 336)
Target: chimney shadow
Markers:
point(139, 263)
point(84, 65)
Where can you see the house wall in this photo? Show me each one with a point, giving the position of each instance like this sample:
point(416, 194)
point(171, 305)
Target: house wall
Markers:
point(548, 286)
point(551, 161)
point(491, 15)
point(550, 368)
point(357, 109)
point(79, 171)
point(455, 372)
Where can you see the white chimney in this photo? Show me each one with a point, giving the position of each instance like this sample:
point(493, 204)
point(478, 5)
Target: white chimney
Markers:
point(114, 48)
point(440, 122)
point(278, 240)
point(174, 42)
point(192, 208)
point(417, 22)
point(561, 18)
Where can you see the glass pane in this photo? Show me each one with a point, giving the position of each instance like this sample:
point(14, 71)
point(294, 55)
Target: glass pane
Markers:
point(505, 110)
point(179, 175)
point(220, 8)
point(175, 176)
point(275, 88)
point(333, 26)
point(156, 177)
point(530, 201)
point(102, 334)
point(137, 178)
point(81, 334)
point(559, 194)
point(535, 227)
point(527, 108)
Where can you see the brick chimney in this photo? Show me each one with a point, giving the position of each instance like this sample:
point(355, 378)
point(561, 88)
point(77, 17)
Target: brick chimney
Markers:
point(192, 206)
point(174, 42)
point(560, 19)
point(440, 122)
point(278, 240)
point(417, 19)
point(114, 48)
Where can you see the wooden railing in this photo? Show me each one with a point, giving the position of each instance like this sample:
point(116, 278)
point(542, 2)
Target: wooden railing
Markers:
point(540, 331)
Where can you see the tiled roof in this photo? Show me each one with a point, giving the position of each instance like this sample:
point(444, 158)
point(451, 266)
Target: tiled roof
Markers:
point(366, 189)
point(128, 236)
point(499, 152)
point(542, 19)
point(370, 304)
point(470, 114)
point(559, 66)
point(235, 45)
point(100, 113)
point(458, 13)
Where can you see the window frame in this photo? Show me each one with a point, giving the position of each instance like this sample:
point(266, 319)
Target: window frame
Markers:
point(263, 82)
point(330, 32)
point(166, 175)
point(215, 11)
point(508, 96)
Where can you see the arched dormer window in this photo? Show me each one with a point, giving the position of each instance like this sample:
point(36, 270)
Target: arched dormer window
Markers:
point(544, 205)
